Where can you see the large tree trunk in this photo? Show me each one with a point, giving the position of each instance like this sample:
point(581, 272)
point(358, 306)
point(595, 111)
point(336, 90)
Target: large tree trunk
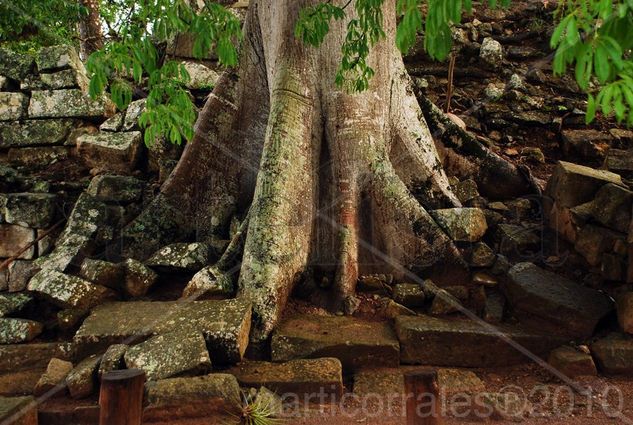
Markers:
point(335, 184)
point(90, 36)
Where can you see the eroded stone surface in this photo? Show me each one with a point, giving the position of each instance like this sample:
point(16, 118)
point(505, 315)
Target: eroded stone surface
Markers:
point(137, 278)
point(354, 342)
point(572, 362)
point(35, 133)
point(614, 354)
point(55, 374)
point(12, 106)
point(68, 291)
point(464, 343)
point(554, 302)
point(14, 331)
point(102, 273)
point(82, 380)
point(113, 188)
point(15, 65)
point(31, 356)
point(117, 152)
point(573, 184)
point(57, 57)
point(462, 224)
point(224, 324)
point(113, 359)
point(182, 256)
point(13, 303)
point(68, 103)
point(171, 354)
point(13, 238)
point(35, 210)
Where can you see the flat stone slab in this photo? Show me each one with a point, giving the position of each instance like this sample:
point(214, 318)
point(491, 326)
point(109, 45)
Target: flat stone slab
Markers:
point(35, 133)
point(572, 362)
point(30, 209)
point(182, 257)
point(110, 151)
point(31, 356)
point(554, 302)
point(68, 291)
point(199, 396)
point(464, 343)
point(69, 103)
point(12, 106)
point(15, 331)
point(614, 354)
point(354, 342)
point(300, 377)
point(573, 184)
point(13, 302)
point(224, 324)
point(169, 355)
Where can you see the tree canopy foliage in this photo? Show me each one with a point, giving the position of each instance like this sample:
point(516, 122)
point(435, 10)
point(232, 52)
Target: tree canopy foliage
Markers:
point(594, 37)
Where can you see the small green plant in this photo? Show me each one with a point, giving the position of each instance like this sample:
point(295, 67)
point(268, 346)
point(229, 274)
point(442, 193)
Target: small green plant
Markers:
point(258, 411)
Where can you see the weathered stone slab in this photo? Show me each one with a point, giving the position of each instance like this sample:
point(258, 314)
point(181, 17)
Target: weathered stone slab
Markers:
point(102, 273)
point(15, 65)
point(13, 303)
point(31, 356)
point(13, 238)
point(594, 241)
point(590, 144)
point(201, 76)
point(612, 207)
point(18, 410)
point(517, 241)
point(113, 359)
point(225, 324)
point(465, 343)
point(55, 374)
point(300, 377)
point(182, 256)
point(573, 184)
point(35, 210)
point(12, 106)
point(35, 133)
point(38, 157)
point(82, 380)
point(15, 331)
point(137, 278)
point(462, 224)
point(69, 103)
point(65, 79)
point(58, 57)
point(572, 362)
point(113, 188)
point(614, 354)
point(199, 396)
point(409, 295)
point(118, 152)
point(554, 302)
point(132, 114)
point(172, 354)
point(354, 342)
point(619, 160)
point(68, 291)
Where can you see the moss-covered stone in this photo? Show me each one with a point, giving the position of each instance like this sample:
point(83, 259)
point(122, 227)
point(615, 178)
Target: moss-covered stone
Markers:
point(68, 291)
point(102, 273)
point(12, 106)
point(68, 103)
point(13, 238)
point(118, 152)
point(14, 331)
point(132, 114)
point(224, 324)
point(66, 79)
point(462, 224)
point(31, 356)
point(15, 65)
point(354, 342)
point(82, 380)
point(169, 355)
point(112, 359)
point(113, 188)
point(137, 278)
point(13, 302)
point(38, 158)
point(409, 294)
point(54, 58)
point(210, 281)
point(182, 256)
point(35, 133)
point(30, 209)
point(300, 377)
point(55, 374)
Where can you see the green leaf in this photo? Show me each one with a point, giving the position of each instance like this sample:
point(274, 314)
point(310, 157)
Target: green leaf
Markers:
point(591, 109)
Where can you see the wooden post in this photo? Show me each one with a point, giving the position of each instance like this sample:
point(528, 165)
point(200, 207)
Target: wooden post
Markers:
point(424, 406)
point(121, 397)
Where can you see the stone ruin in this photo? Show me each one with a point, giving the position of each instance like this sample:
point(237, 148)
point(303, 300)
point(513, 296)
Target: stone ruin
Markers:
point(546, 272)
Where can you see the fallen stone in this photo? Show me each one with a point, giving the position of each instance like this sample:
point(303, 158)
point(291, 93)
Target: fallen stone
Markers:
point(209, 281)
point(485, 279)
point(573, 184)
point(567, 222)
point(18, 410)
point(619, 161)
point(354, 342)
point(200, 76)
point(68, 291)
point(58, 57)
point(82, 380)
point(572, 362)
point(15, 331)
point(462, 224)
point(113, 359)
point(137, 278)
point(132, 114)
point(102, 273)
point(168, 355)
point(30, 209)
point(554, 302)
point(517, 241)
point(200, 396)
point(482, 255)
point(112, 188)
point(491, 52)
point(391, 309)
point(114, 123)
point(35, 133)
point(21, 357)
point(612, 207)
point(614, 354)
point(69, 103)
point(12, 106)
point(374, 282)
point(117, 152)
point(533, 154)
point(182, 257)
point(464, 343)
point(593, 241)
point(68, 319)
point(225, 325)
point(15, 65)
point(13, 238)
point(494, 307)
point(466, 190)
point(55, 374)
point(65, 79)
point(39, 157)
point(590, 144)
point(409, 295)
point(300, 377)
point(444, 303)
point(13, 303)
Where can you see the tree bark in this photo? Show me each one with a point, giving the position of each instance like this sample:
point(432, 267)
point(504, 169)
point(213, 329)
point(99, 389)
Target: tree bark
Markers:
point(90, 35)
point(334, 184)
